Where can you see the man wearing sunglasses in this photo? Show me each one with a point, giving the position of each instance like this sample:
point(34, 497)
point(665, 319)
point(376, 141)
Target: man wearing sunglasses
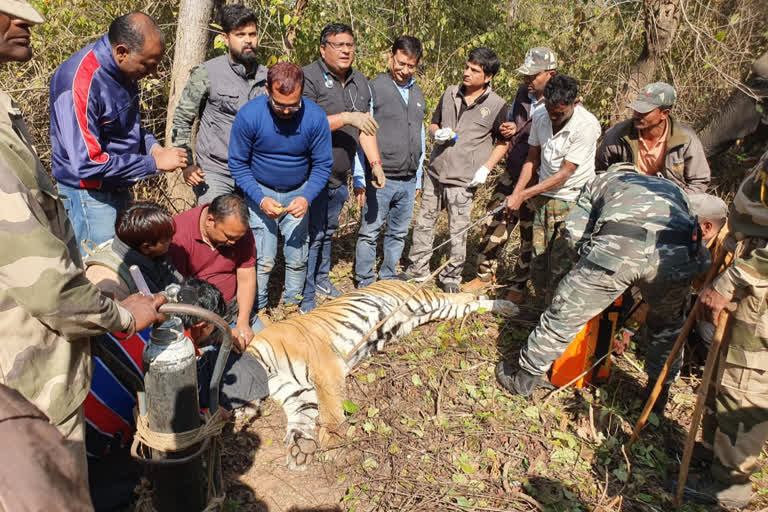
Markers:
point(280, 156)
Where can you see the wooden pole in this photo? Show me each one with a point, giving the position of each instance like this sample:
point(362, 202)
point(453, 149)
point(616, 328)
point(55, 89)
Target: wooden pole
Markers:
point(714, 267)
point(698, 412)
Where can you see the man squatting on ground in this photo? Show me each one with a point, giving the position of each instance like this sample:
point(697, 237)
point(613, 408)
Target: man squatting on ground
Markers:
point(464, 125)
point(562, 153)
point(280, 156)
point(214, 93)
point(629, 230)
point(398, 107)
point(343, 93)
point(98, 147)
point(539, 67)
point(50, 308)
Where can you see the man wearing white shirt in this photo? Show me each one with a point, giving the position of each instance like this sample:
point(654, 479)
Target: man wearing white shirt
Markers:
point(562, 148)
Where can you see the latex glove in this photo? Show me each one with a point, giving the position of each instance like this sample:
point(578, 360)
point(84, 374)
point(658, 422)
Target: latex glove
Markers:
point(480, 176)
point(444, 135)
point(378, 180)
point(360, 120)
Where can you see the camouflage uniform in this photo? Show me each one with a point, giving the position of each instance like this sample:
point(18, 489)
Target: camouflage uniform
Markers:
point(551, 256)
point(48, 307)
point(736, 426)
point(630, 229)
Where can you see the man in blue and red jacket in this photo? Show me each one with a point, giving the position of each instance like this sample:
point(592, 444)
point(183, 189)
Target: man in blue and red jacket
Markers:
point(99, 148)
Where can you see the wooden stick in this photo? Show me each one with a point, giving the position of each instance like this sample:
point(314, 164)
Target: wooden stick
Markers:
point(714, 267)
point(712, 357)
point(409, 297)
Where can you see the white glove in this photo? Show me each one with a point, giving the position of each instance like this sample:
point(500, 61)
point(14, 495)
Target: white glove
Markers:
point(479, 178)
point(444, 135)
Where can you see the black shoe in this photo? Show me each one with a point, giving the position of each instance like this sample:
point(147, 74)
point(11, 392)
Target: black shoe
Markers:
point(519, 382)
point(328, 289)
point(704, 489)
point(661, 401)
point(450, 287)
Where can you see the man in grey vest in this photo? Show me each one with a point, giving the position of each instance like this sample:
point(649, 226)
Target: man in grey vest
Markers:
point(465, 125)
point(398, 107)
point(215, 91)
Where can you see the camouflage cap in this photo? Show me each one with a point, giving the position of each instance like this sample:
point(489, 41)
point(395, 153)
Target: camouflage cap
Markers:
point(22, 10)
point(537, 60)
point(708, 207)
point(653, 96)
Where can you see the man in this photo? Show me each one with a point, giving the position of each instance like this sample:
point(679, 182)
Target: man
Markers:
point(213, 243)
point(344, 95)
point(280, 156)
point(214, 93)
point(630, 230)
point(539, 67)
point(656, 143)
point(736, 425)
point(50, 309)
point(398, 107)
point(465, 125)
point(98, 147)
point(562, 153)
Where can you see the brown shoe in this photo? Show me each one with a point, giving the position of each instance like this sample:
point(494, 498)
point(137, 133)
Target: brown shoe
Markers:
point(514, 296)
point(478, 283)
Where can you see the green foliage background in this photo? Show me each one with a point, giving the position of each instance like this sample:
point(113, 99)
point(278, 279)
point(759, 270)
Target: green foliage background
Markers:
point(596, 41)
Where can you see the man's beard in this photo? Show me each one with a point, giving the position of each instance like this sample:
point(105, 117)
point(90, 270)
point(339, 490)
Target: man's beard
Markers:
point(245, 58)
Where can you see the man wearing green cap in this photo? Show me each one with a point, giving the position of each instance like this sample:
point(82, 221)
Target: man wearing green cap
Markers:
point(49, 307)
point(655, 142)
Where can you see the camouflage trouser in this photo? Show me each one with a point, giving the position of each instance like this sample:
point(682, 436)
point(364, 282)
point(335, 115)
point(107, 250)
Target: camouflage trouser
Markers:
point(551, 256)
point(458, 201)
point(736, 421)
point(497, 230)
point(586, 291)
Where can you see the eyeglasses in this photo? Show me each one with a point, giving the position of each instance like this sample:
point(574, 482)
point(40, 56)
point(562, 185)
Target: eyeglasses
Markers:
point(285, 108)
point(339, 46)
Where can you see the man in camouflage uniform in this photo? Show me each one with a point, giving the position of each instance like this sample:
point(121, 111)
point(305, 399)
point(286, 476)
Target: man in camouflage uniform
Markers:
point(631, 230)
point(736, 424)
point(215, 91)
point(539, 66)
point(49, 307)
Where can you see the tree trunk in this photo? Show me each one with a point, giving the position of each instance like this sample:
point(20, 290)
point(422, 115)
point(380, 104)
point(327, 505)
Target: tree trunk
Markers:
point(190, 48)
point(662, 19)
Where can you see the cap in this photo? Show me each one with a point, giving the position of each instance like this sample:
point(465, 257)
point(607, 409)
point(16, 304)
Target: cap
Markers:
point(708, 207)
point(537, 60)
point(22, 10)
point(655, 95)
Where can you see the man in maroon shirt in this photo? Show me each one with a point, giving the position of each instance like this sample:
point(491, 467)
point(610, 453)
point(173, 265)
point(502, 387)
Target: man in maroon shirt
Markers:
point(213, 243)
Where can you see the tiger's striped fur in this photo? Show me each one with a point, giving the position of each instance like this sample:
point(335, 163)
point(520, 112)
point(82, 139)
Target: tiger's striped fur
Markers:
point(305, 355)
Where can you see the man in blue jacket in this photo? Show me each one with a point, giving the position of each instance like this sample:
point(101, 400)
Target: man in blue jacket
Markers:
point(280, 157)
point(99, 148)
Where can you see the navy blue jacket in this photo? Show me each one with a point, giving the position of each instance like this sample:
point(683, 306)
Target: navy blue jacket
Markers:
point(97, 141)
point(280, 154)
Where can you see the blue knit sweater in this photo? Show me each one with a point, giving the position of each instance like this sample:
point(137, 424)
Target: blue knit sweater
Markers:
point(280, 154)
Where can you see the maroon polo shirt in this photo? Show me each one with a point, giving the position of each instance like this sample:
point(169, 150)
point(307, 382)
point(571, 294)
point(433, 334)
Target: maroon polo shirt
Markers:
point(192, 257)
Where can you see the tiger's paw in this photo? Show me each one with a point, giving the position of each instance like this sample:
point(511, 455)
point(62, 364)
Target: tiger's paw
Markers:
point(301, 450)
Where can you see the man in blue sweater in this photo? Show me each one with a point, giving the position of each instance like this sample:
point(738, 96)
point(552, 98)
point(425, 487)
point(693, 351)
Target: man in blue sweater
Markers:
point(280, 156)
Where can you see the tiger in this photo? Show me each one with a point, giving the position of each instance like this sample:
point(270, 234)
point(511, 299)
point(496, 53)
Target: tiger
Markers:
point(308, 357)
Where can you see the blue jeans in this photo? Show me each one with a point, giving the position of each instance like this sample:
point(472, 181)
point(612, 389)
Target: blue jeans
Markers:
point(294, 233)
point(93, 212)
point(393, 204)
point(323, 222)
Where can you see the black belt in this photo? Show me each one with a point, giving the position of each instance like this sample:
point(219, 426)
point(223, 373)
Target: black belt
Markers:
point(664, 236)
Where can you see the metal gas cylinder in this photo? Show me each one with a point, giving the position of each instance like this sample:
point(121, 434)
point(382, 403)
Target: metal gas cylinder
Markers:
point(172, 404)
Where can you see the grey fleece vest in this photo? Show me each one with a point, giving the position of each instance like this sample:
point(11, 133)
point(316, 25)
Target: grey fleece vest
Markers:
point(229, 90)
point(455, 163)
point(400, 125)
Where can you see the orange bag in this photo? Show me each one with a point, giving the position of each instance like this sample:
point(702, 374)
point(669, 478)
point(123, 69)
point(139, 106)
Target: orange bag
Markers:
point(592, 343)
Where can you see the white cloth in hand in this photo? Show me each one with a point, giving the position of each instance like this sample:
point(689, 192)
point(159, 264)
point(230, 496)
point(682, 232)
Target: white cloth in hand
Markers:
point(443, 135)
point(480, 176)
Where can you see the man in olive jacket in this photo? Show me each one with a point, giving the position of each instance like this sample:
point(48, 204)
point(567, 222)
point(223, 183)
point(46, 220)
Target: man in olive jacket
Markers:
point(656, 143)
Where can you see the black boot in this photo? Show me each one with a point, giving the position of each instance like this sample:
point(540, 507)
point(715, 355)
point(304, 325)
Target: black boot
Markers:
point(518, 382)
point(661, 400)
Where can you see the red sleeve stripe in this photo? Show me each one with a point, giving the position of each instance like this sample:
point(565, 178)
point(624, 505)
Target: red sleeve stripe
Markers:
point(81, 89)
